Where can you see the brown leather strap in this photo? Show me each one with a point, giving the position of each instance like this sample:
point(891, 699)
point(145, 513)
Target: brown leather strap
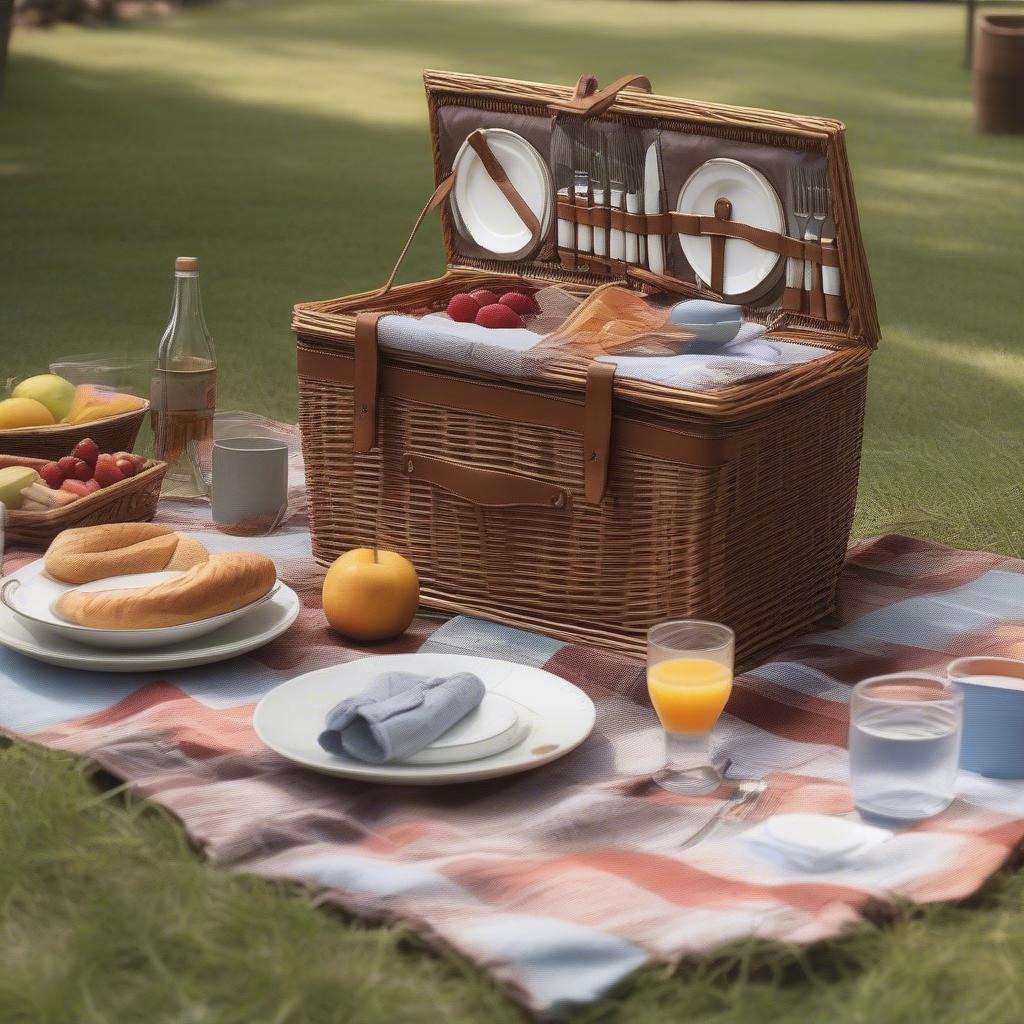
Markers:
point(597, 430)
point(601, 216)
point(439, 196)
point(723, 212)
point(493, 166)
point(517, 405)
point(490, 488)
point(365, 380)
point(835, 309)
point(793, 297)
point(589, 101)
point(676, 223)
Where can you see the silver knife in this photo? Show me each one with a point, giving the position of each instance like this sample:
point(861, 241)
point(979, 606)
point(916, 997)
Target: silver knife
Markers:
point(654, 183)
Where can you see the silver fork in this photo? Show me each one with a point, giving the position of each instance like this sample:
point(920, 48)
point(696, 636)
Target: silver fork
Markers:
point(617, 192)
point(801, 214)
point(742, 800)
point(580, 132)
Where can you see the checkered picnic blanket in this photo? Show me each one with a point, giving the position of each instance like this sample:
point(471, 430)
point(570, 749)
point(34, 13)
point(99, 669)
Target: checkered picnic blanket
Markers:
point(561, 881)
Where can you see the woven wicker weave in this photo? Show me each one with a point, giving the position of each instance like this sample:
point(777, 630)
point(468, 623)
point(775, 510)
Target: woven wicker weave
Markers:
point(112, 434)
point(756, 541)
point(130, 501)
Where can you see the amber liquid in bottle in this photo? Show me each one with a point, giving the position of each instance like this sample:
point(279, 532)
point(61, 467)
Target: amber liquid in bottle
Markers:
point(184, 397)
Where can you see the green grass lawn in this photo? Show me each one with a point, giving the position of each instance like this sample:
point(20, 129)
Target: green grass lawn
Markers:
point(285, 144)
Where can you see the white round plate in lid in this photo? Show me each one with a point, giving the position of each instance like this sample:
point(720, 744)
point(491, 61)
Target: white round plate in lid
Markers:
point(754, 201)
point(481, 210)
point(559, 717)
point(32, 595)
point(251, 631)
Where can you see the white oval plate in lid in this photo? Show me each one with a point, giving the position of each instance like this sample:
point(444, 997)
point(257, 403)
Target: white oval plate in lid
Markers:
point(754, 201)
point(480, 208)
point(31, 595)
point(558, 716)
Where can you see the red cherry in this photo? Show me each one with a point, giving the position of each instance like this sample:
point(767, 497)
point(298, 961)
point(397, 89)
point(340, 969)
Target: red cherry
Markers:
point(524, 305)
point(484, 296)
point(463, 308)
point(497, 315)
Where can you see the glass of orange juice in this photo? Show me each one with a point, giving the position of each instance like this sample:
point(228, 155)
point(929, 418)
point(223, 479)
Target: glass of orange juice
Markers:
point(689, 678)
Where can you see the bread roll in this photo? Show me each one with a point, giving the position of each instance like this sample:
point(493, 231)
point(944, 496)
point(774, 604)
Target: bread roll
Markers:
point(220, 585)
point(120, 549)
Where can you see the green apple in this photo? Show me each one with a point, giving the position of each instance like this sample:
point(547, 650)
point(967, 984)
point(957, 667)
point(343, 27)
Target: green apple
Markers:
point(48, 389)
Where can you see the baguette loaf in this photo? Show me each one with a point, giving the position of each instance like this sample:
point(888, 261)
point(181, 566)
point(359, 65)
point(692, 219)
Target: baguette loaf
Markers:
point(118, 549)
point(220, 585)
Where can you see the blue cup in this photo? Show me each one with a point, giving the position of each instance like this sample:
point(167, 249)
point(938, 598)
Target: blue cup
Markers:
point(993, 729)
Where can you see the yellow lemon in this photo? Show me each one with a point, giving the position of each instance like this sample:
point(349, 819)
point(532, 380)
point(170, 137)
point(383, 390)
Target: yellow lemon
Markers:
point(23, 412)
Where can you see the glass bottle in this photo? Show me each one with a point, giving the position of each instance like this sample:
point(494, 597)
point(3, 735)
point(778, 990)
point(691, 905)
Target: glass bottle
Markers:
point(184, 396)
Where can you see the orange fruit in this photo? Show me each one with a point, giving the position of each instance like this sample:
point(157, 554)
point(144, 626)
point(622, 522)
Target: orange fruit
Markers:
point(371, 596)
point(23, 412)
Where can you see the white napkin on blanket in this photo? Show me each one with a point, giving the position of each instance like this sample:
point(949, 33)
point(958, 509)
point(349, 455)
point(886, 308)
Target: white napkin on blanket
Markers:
point(813, 842)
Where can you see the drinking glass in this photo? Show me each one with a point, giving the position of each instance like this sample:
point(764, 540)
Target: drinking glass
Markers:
point(904, 745)
point(689, 678)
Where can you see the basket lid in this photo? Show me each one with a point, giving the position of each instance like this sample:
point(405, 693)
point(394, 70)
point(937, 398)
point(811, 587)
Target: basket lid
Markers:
point(786, 153)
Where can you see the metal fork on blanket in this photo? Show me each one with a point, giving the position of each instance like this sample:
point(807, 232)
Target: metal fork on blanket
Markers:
point(744, 798)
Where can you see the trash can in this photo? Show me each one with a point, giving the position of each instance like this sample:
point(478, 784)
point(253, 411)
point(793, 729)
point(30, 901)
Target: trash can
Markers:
point(999, 73)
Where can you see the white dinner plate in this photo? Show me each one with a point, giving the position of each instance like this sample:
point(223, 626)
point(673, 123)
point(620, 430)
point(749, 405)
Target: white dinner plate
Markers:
point(558, 716)
point(253, 630)
point(481, 210)
point(32, 595)
point(754, 201)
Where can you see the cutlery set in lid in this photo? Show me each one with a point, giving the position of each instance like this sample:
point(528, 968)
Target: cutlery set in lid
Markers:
point(655, 202)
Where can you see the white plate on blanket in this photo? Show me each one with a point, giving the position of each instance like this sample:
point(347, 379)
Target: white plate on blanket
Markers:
point(254, 629)
point(480, 208)
point(31, 595)
point(558, 717)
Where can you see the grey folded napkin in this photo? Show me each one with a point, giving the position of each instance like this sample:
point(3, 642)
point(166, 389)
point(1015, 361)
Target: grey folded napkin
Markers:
point(399, 714)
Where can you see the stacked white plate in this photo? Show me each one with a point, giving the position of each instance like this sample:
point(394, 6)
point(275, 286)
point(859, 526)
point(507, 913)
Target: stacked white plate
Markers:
point(29, 625)
point(528, 717)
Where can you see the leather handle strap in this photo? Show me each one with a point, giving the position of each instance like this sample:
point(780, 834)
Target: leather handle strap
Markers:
point(514, 405)
point(493, 166)
point(597, 430)
point(723, 212)
point(440, 194)
point(488, 488)
point(589, 101)
point(366, 382)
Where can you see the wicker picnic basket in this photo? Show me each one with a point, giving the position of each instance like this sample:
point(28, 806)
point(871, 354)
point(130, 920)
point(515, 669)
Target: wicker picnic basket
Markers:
point(133, 500)
point(112, 434)
point(580, 503)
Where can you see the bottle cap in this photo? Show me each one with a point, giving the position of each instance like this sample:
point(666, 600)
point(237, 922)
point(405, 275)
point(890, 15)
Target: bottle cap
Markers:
point(186, 265)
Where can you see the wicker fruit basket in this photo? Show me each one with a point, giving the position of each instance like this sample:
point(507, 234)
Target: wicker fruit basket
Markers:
point(581, 503)
point(112, 434)
point(129, 501)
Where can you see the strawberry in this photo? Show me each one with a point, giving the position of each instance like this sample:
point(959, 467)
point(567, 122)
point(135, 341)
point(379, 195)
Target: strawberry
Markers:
point(107, 471)
point(82, 470)
point(87, 450)
point(463, 307)
point(127, 466)
point(484, 296)
point(497, 315)
point(52, 475)
point(67, 465)
point(80, 488)
point(519, 302)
